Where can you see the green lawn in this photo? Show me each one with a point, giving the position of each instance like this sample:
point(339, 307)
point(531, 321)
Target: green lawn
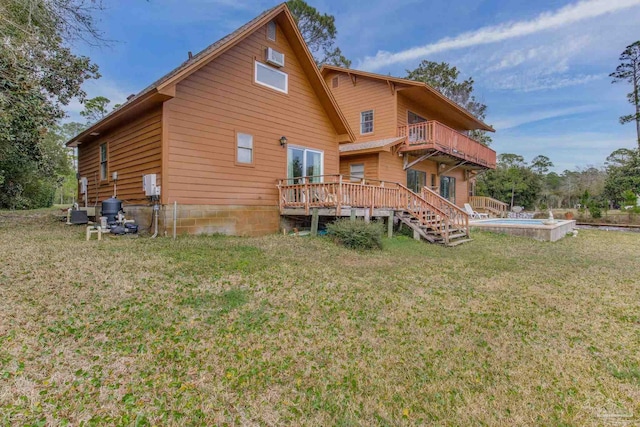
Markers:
point(296, 331)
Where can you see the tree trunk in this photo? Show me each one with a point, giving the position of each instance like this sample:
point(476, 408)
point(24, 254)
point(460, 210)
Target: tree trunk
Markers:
point(637, 113)
point(513, 190)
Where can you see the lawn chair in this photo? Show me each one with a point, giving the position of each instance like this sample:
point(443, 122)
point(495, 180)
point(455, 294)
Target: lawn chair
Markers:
point(474, 214)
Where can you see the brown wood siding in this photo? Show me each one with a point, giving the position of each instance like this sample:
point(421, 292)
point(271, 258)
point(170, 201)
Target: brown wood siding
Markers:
point(366, 94)
point(405, 105)
point(133, 150)
point(390, 168)
point(221, 99)
point(370, 162)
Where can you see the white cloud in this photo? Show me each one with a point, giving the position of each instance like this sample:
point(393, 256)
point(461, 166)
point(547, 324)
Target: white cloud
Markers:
point(549, 20)
point(554, 56)
point(520, 119)
point(537, 80)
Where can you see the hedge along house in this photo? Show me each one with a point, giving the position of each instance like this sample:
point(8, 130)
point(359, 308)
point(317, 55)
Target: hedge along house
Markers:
point(218, 132)
point(408, 132)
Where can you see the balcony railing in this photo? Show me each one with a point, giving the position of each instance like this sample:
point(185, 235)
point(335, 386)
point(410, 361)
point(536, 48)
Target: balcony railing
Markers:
point(433, 135)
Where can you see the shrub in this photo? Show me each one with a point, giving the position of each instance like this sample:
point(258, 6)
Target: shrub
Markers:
point(595, 210)
point(630, 198)
point(356, 234)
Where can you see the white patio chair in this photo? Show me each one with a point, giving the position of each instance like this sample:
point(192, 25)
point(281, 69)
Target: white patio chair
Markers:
point(474, 214)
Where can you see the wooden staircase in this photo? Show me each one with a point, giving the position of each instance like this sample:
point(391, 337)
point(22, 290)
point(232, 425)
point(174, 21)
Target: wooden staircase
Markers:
point(434, 219)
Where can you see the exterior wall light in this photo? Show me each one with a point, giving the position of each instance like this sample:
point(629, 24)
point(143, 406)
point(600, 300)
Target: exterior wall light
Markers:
point(283, 141)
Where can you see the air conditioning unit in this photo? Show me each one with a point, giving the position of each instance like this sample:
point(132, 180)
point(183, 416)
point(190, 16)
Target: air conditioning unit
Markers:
point(275, 58)
point(149, 185)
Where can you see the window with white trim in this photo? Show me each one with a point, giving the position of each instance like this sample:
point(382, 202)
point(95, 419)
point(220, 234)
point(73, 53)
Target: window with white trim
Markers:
point(271, 78)
point(366, 122)
point(356, 171)
point(244, 148)
point(271, 31)
point(104, 166)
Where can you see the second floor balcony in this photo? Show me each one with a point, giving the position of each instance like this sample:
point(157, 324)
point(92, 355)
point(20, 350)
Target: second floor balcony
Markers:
point(434, 137)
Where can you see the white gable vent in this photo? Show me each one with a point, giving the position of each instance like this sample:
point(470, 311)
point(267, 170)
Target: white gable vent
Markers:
point(275, 58)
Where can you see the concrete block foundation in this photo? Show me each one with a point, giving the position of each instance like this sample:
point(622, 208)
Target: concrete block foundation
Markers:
point(208, 219)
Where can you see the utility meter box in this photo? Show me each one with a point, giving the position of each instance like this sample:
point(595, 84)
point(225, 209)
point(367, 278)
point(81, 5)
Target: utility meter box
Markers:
point(83, 185)
point(149, 185)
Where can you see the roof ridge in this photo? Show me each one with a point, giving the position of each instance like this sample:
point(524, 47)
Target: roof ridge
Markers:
point(414, 83)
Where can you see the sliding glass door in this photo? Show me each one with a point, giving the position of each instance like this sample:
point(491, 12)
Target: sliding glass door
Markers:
point(416, 180)
point(304, 162)
point(448, 188)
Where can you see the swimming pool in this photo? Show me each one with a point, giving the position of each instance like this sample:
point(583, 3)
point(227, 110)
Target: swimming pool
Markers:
point(514, 221)
point(533, 228)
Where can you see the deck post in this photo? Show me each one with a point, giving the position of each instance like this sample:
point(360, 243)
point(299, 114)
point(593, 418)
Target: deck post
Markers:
point(390, 225)
point(314, 221)
point(339, 198)
point(353, 214)
point(367, 215)
point(307, 195)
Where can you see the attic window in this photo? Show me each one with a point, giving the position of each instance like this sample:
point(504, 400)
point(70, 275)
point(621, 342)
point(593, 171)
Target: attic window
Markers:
point(335, 82)
point(271, 31)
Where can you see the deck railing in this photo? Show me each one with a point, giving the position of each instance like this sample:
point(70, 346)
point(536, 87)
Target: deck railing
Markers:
point(435, 135)
point(458, 217)
point(333, 191)
point(494, 206)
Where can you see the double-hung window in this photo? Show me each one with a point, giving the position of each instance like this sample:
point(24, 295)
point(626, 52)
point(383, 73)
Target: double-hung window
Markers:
point(104, 168)
point(356, 171)
point(366, 122)
point(244, 148)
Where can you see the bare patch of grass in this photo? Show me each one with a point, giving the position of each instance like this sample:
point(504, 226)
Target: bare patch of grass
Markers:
point(298, 331)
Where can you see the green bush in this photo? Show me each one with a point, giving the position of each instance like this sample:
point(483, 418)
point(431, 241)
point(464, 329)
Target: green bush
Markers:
point(357, 234)
point(595, 210)
point(630, 198)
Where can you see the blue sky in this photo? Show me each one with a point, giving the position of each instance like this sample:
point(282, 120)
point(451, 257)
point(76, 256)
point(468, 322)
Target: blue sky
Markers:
point(541, 66)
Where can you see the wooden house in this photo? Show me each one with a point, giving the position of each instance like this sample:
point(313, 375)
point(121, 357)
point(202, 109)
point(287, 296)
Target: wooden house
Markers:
point(408, 132)
point(217, 132)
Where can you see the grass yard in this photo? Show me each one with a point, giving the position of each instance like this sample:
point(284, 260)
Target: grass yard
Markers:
point(296, 331)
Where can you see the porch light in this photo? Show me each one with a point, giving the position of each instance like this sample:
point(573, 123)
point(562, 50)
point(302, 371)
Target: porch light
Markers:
point(283, 141)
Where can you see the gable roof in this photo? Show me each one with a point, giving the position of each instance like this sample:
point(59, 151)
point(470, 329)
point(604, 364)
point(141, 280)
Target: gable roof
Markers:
point(164, 88)
point(419, 87)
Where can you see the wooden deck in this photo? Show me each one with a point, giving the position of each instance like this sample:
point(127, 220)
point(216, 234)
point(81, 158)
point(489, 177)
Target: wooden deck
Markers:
point(333, 195)
point(434, 137)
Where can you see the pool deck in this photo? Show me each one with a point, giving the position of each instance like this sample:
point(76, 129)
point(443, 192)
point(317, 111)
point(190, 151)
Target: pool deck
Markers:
point(542, 232)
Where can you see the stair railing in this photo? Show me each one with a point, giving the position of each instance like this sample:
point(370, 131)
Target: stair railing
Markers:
point(458, 218)
point(428, 214)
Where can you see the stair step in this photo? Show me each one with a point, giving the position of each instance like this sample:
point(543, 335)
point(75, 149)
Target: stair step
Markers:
point(459, 242)
point(456, 235)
